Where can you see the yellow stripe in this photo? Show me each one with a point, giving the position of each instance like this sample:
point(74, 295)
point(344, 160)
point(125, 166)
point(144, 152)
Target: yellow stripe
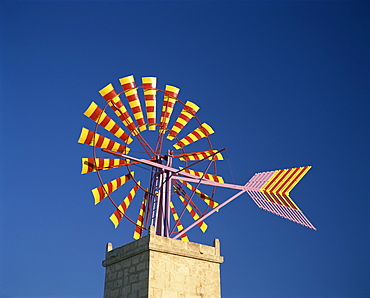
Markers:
point(96, 196)
point(201, 174)
point(123, 179)
point(203, 225)
point(106, 90)
point(149, 80)
point(131, 92)
point(114, 220)
point(136, 235)
point(110, 125)
point(126, 80)
point(300, 177)
point(91, 109)
point(181, 121)
point(276, 184)
point(172, 89)
point(263, 188)
point(84, 167)
point(207, 128)
point(192, 105)
point(83, 135)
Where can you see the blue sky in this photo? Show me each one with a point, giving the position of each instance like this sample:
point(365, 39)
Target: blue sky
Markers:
point(283, 84)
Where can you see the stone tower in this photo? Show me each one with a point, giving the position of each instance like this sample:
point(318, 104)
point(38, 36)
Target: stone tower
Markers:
point(160, 267)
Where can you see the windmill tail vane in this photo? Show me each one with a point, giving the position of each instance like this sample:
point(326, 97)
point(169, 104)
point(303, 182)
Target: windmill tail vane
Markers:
point(270, 191)
point(175, 178)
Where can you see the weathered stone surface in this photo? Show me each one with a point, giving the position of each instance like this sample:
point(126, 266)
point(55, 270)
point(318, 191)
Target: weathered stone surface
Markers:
point(160, 267)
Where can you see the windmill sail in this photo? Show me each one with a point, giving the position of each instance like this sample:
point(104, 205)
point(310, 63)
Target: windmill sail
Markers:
point(118, 214)
point(114, 101)
point(99, 116)
point(88, 137)
point(201, 132)
point(129, 88)
point(169, 101)
point(138, 233)
point(149, 84)
point(179, 225)
point(103, 191)
point(186, 114)
point(99, 164)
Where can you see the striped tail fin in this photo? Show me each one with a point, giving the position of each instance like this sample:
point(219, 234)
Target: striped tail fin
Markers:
point(270, 191)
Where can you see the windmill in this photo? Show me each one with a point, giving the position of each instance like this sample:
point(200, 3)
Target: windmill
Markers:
point(146, 155)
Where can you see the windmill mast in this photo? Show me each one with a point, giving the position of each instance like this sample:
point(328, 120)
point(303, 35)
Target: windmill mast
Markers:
point(161, 211)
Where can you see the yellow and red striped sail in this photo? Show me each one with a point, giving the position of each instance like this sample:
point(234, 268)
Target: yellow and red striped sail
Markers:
point(138, 233)
point(207, 199)
point(93, 139)
point(202, 225)
point(150, 92)
point(118, 214)
point(179, 225)
point(99, 164)
point(201, 132)
point(169, 101)
point(270, 191)
point(211, 177)
point(114, 101)
point(99, 116)
point(185, 116)
point(201, 155)
point(102, 191)
point(130, 90)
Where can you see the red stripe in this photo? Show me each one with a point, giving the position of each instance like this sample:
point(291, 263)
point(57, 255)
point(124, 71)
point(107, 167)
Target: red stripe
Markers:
point(299, 176)
point(99, 141)
point(114, 129)
point(110, 95)
point(280, 199)
point(136, 109)
point(89, 137)
point(280, 179)
point(132, 97)
point(90, 165)
point(149, 98)
point(184, 117)
point(180, 144)
point(196, 134)
point(101, 193)
point(189, 139)
point(190, 110)
point(287, 179)
point(273, 180)
point(150, 109)
point(105, 121)
point(170, 94)
point(118, 215)
point(269, 198)
point(289, 201)
point(95, 115)
point(178, 125)
point(128, 86)
point(149, 86)
point(204, 130)
point(117, 104)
